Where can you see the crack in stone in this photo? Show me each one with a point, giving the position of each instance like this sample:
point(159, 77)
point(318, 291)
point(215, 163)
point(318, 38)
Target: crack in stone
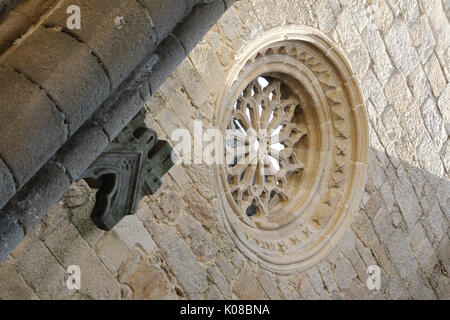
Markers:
point(91, 51)
point(10, 172)
point(52, 100)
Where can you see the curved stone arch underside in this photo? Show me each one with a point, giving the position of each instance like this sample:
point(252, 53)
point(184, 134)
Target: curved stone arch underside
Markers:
point(293, 220)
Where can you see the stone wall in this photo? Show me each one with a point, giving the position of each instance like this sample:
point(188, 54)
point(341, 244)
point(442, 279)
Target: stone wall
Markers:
point(176, 247)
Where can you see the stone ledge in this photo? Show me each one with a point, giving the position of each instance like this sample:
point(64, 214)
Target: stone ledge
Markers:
point(29, 117)
point(54, 178)
point(68, 83)
point(7, 184)
point(102, 32)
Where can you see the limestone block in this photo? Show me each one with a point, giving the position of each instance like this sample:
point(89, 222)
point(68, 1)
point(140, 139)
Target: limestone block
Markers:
point(7, 184)
point(197, 24)
point(399, 45)
point(65, 69)
point(120, 35)
point(170, 54)
point(32, 127)
point(32, 202)
point(189, 272)
point(247, 286)
point(89, 141)
point(10, 234)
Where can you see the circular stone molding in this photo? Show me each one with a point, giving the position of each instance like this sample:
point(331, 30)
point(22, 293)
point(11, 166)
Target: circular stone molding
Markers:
point(287, 209)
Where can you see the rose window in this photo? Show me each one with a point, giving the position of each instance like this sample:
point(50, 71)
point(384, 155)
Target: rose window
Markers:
point(296, 148)
point(268, 129)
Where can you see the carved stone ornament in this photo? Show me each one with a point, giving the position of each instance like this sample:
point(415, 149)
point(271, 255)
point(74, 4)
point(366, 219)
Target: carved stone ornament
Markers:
point(292, 94)
point(130, 168)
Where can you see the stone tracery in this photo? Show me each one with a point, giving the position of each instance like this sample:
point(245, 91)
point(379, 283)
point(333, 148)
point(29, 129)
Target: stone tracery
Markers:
point(287, 202)
point(264, 119)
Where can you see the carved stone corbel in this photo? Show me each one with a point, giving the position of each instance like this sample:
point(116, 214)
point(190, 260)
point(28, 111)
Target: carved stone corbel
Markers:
point(130, 168)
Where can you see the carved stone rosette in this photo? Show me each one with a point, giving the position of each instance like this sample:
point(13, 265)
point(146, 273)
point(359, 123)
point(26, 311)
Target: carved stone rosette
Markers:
point(287, 209)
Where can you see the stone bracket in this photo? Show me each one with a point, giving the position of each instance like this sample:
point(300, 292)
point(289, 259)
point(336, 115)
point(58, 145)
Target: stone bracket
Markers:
point(130, 168)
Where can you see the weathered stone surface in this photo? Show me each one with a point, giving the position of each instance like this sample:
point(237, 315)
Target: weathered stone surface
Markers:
point(400, 47)
point(7, 5)
point(445, 155)
point(352, 43)
point(436, 225)
point(197, 238)
point(435, 75)
point(315, 280)
point(219, 280)
point(434, 122)
point(34, 9)
point(42, 272)
point(419, 85)
point(226, 267)
point(327, 276)
point(383, 225)
point(7, 184)
point(112, 251)
point(343, 272)
point(197, 24)
point(57, 214)
point(156, 103)
point(15, 25)
point(443, 103)
point(247, 286)
point(289, 287)
point(306, 290)
point(269, 14)
point(198, 207)
point(407, 201)
point(169, 54)
point(166, 13)
point(114, 119)
point(78, 194)
point(347, 245)
point(402, 256)
point(189, 272)
point(179, 175)
point(375, 45)
point(146, 280)
point(180, 103)
point(77, 87)
point(423, 39)
point(132, 232)
point(204, 59)
point(67, 245)
point(423, 250)
point(31, 203)
point(12, 286)
point(364, 229)
point(269, 285)
point(373, 90)
point(81, 217)
point(213, 294)
point(325, 15)
point(420, 289)
point(11, 234)
point(168, 121)
point(397, 289)
point(443, 290)
point(90, 140)
point(429, 157)
point(192, 82)
point(24, 118)
point(102, 31)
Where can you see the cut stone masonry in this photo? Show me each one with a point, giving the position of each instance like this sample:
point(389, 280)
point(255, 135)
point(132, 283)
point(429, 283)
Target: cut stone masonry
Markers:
point(178, 234)
point(98, 91)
